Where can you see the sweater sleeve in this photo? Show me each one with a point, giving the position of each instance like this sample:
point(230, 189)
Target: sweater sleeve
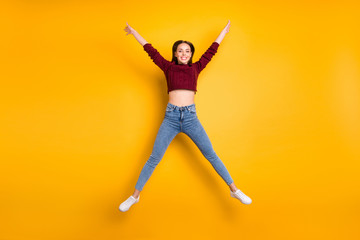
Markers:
point(206, 57)
point(161, 62)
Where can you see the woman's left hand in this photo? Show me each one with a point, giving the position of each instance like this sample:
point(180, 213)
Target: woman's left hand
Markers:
point(223, 33)
point(227, 27)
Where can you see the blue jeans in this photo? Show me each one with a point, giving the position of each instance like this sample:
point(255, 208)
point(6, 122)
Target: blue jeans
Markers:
point(181, 119)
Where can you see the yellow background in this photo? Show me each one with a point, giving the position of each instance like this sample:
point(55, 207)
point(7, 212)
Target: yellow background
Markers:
point(81, 104)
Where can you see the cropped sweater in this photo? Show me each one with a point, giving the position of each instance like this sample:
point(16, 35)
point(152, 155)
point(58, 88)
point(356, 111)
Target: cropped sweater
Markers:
point(181, 76)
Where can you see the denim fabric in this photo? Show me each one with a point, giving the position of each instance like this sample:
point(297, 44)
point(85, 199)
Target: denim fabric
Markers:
point(181, 119)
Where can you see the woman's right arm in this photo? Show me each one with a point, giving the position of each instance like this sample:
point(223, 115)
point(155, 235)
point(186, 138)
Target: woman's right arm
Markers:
point(162, 63)
point(137, 36)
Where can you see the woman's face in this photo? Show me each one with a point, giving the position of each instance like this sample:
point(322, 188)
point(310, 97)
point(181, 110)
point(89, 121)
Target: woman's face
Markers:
point(183, 53)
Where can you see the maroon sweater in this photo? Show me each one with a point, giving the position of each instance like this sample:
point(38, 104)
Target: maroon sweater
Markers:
point(180, 76)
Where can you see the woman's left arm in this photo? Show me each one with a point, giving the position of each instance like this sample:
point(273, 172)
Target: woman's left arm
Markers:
point(223, 33)
point(206, 57)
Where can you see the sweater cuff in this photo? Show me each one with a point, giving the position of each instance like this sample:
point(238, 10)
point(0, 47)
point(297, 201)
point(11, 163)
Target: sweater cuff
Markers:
point(146, 45)
point(215, 45)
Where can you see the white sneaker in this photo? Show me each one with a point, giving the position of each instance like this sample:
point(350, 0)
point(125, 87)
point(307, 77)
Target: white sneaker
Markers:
point(241, 196)
point(128, 203)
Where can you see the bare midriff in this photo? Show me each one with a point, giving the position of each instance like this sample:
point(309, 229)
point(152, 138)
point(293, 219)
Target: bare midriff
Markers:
point(182, 97)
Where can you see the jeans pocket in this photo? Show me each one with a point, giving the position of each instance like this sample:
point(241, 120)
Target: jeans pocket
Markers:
point(169, 109)
point(192, 109)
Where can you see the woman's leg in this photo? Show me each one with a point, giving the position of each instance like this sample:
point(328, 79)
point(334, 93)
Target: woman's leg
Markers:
point(165, 135)
point(197, 133)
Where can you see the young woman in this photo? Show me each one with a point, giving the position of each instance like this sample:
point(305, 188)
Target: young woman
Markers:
point(180, 115)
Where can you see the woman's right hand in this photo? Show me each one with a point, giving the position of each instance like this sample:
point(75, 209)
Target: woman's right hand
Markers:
point(129, 30)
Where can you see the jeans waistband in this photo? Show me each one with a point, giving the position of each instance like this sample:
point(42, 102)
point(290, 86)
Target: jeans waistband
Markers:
point(188, 107)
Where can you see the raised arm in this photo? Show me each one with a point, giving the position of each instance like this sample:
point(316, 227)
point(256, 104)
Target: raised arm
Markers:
point(138, 37)
point(223, 33)
point(161, 62)
point(207, 56)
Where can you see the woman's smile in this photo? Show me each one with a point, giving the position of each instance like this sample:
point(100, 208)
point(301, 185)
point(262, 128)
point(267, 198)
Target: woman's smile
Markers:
point(183, 53)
